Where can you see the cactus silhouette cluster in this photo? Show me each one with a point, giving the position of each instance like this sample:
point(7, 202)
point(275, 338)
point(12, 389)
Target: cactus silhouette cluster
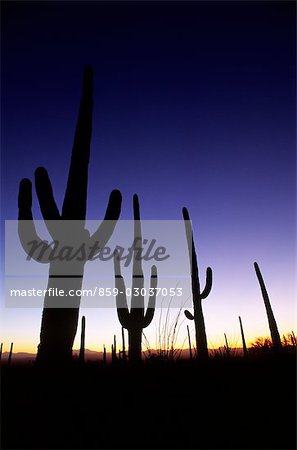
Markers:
point(198, 296)
point(135, 319)
point(59, 324)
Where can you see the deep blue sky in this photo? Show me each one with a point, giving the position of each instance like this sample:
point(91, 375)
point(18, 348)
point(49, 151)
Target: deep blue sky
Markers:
point(194, 106)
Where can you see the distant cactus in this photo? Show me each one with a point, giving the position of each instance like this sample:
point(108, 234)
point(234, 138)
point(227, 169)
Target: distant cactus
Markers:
point(114, 357)
point(293, 339)
point(10, 354)
point(1, 347)
point(136, 319)
point(124, 356)
point(275, 337)
point(82, 340)
point(104, 355)
point(198, 296)
point(59, 325)
point(227, 348)
point(245, 351)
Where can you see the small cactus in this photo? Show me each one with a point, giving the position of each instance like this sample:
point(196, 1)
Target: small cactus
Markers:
point(104, 355)
point(227, 348)
point(114, 357)
point(82, 340)
point(136, 319)
point(293, 339)
point(1, 347)
point(10, 354)
point(245, 351)
point(124, 356)
point(198, 296)
point(275, 337)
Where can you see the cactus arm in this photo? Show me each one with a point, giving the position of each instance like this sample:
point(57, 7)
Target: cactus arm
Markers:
point(45, 196)
point(75, 200)
point(26, 228)
point(49, 209)
point(149, 315)
point(189, 315)
point(208, 284)
point(105, 230)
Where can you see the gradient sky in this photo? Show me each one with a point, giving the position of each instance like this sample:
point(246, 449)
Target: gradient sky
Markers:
point(194, 106)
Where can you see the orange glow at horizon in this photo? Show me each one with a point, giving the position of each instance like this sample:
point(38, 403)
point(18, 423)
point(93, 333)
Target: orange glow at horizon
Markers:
point(20, 346)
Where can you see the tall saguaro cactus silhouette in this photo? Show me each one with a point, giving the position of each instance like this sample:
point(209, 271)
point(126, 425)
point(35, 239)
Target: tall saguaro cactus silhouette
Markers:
point(137, 318)
point(275, 337)
point(198, 296)
point(59, 324)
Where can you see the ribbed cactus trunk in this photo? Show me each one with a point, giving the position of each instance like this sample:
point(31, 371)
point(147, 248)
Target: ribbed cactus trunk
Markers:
point(134, 340)
point(198, 296)
point(275, 337)
point(201, 338)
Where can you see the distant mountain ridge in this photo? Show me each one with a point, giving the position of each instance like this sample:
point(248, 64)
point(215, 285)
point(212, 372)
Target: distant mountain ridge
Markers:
point(93, 355)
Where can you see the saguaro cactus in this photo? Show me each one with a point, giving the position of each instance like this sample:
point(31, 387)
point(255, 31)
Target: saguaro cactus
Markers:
point(124, 356)
point(245, 351)
point(275, 337)
point(1, 347)
point(114, 357)
point(293, 339)
point(198, 296)
point(82, 340)
point(136, 319)
point(10, 354)
point(227, 348)
point(104, 355)
point(59, 324)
